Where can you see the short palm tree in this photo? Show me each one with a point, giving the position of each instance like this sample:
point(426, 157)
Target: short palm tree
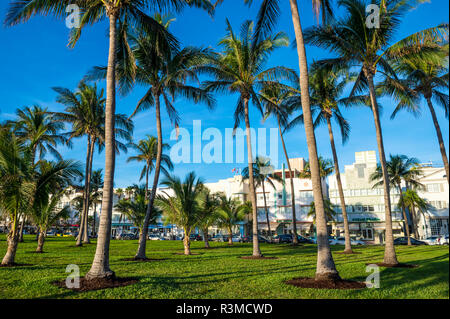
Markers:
point(147, 151)
point(230, 212)
point(124, 12)
point(209, 202)
point(47, 214)
point(357, 44)
point(330, 213)
point(262, 173)
point(183, 208)
point(400, 169)
point(239, 68)
point(85, 111)
point(414, 203)
point(326, 168)
point(135, 209)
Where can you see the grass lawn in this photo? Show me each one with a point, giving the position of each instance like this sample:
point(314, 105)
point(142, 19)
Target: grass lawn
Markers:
point(219, 273)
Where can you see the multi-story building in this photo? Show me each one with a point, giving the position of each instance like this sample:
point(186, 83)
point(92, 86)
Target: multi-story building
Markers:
point(434, 220)
point(364, 203)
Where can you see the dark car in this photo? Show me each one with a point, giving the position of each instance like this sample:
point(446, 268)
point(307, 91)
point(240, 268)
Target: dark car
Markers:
point(283, 238)
point(304, 240)
point(249, 239)
point(195, 237)
point(404, 241)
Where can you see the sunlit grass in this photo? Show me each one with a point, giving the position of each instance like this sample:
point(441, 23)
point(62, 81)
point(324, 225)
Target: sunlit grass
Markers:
point(219, 272)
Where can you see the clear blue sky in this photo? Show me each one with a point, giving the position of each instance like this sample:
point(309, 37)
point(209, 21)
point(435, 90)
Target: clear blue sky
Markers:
point(35, 58)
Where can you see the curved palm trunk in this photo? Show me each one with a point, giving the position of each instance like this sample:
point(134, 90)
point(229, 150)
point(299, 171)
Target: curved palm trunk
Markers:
point(41, 240)
point(266, 210)
point(13, 241)
point(82, 228)
point(405, 218)
point(348, 245)
point(390, 257)
point(414, 218)
point(256, 249)
point(143, 239)
point(100, 265)
point(326, 269)
point(439, 136)
point(87, 203)
point(291, 179)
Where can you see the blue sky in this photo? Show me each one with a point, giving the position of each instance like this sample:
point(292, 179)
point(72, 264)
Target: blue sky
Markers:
point(35, 58)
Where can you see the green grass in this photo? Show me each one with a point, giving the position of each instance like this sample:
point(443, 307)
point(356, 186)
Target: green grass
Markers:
point(219, 273)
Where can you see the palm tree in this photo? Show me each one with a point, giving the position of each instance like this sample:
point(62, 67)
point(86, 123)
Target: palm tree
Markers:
point(423, 77)
point(330, 213)
point(132, 13)
point(183, 208)
point(209, 203)
point(240, 69)
point(147, 151)
point(412, 200)
point(400, 169)
point(96, 194)
point(135, 209)
point(326, 168)
point(326, 88)
point(230, 212)
point(262, 173)
point(267, 18)
point(85, 111)
point(357, 44)
point(37, 128)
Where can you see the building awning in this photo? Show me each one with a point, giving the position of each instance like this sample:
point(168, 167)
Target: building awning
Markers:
point(438, 213)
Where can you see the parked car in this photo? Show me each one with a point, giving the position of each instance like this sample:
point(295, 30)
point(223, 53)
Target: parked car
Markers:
point(404, 241)
point(249, 239)
point(283, 238)
point(154, 237)
point(218, 238)
point(127, 236)
point(433, 240)
point(304, 240)
point(341, 241)
point(51, 232)
point(444, 240)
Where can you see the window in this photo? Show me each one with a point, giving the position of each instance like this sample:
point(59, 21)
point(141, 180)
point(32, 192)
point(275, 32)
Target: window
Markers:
point(367, 233)
point(306, 194)
point(357, 192)
point(349, 208)
point(358, 208)
point(436, 226)
point(433, 188)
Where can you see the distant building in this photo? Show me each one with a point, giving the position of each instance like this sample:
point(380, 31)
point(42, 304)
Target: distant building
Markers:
point(364, 204)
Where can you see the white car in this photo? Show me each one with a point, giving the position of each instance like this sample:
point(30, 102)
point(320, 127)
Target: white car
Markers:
point(154, 237)
point(341, 241)
point(432, 240)
point(444, 240)
point(236, 239)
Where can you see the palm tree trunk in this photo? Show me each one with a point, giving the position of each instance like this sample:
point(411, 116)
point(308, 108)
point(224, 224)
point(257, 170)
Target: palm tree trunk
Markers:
point(414, 218)
point(13, 241)
point(439, 136)
point(143, 240)
point(187, 242)
point(88, 189)
point(348, 245)
point(205, 237)
point(146, 181)
point(390, 256)
point(405, 218)
point(256, 249)
point(95, 217)
point(291, 179)
point(82, 227)
point(22, 225)
point(100, 265)
point(41, 239)
point(326, 269)
point(230, 238)
point(266, 210)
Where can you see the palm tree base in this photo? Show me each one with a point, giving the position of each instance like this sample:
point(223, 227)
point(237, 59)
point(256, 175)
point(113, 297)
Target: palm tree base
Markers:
point(98, 283)
point(327, 276)
point(107, 275)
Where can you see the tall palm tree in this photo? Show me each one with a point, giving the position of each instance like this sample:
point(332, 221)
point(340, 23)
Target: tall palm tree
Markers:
point(135, 209)
point(230, 212)
point(262, 173)
point(240, 69)
point(267, 18)
point(326, 88)
point(209, 203)
point(85, 111)
point(183, 208)
point(124, 12)
point(37, 128)
point(400, 169)
point(359, 45)
point(330, 213)
point(276, 103)
point(147, 152)
point(96, 194)
point(425, 77)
